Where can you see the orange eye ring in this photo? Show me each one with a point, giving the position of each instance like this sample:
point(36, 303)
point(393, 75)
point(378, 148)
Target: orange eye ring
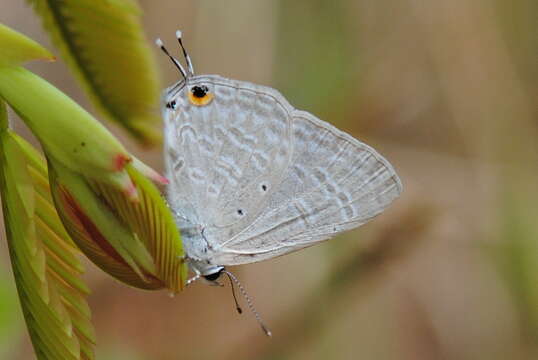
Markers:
point(200, 95)
point(200, 101)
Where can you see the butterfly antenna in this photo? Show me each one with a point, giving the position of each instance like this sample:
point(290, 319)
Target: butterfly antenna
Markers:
point(160, 44)
point(185, 54)
point(237, 307)
point(249, 302)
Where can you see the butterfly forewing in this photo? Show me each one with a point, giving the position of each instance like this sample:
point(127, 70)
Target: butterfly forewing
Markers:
point(224, 159)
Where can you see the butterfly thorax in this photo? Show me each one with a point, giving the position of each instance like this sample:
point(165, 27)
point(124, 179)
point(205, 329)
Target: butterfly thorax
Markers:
point(198, 250)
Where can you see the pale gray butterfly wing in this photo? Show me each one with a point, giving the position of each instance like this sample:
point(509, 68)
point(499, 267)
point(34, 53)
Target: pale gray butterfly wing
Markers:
point(224, 159)
point(334, 183)
point(263, 179)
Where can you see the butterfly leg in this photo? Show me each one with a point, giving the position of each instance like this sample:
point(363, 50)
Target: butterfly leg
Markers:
point(193, 279)
point(197, 276)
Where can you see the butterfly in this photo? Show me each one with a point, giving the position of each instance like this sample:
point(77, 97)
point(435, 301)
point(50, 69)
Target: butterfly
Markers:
point(253, 178)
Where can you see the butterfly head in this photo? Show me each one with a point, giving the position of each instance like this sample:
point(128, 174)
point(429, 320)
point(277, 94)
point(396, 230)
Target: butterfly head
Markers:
point(197, 94)
point(189, 95)
point(214, 276)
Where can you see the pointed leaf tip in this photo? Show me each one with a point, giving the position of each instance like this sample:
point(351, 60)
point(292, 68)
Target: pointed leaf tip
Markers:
point(149, 172)
point(18, 49)
point(120, 161)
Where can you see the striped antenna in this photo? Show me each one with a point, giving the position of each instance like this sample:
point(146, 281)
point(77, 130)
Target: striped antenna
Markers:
point(160, 44)
point(249, 302)
point(185, 54)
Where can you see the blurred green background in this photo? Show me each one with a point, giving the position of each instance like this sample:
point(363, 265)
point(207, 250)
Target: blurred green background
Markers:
point(448, 92)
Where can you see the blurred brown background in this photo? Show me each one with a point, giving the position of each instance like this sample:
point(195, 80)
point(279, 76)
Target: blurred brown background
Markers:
point(447, 91)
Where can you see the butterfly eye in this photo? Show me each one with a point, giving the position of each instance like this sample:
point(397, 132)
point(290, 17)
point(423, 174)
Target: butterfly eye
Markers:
point(200, 95)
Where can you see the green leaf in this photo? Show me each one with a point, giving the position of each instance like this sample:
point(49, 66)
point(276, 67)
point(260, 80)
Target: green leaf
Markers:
point(137, 242)
point(11, 321)
point(45, 262)
point(96, 229)
point(66, 131)
point(141, 248)
point(151, 220)
point(104, 45)
point(17, 48)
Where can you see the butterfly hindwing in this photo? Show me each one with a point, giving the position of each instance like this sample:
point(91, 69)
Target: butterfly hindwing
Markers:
point(333, 183)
